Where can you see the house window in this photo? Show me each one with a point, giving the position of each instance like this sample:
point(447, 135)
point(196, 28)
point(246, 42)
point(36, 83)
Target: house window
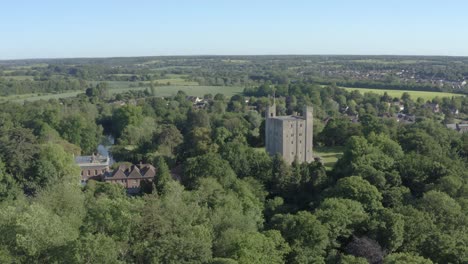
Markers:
point(135, 181)
point(82, 173)
point(89, 172)
point(95, 172)
point(300, 125)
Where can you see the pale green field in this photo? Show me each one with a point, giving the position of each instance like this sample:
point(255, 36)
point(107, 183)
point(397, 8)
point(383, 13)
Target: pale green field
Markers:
point(19, 77)
point(34, 97)
point(121, 87)
point(397, 93)
point(198, 90)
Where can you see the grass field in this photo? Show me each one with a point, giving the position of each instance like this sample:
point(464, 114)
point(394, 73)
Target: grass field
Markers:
point(121, 87)
point(397, 93)
point(198, 90)
point(329, 155)
point(19, 77)
point(34, 97)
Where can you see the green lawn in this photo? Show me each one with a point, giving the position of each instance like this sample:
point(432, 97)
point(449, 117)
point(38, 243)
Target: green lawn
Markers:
point(19, 77)
point(397, 93)
point(121, 87)
point(34, 97)
point(329, 155)
point(198, 90)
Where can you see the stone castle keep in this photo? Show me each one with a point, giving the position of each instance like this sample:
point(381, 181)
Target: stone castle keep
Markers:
point(290, 136)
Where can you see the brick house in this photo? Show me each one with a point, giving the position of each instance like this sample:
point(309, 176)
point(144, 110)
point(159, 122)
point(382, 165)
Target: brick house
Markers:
point(92, 167)
point(130, 176)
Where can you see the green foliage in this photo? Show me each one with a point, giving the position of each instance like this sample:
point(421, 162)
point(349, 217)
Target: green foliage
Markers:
point(408, 258)
point(307, 237)
point(341, 217)
point(358, 189)
point(171, 230)
point(126, 115)
point(97, 248)
point(255, 247)
point(208, 165)
point(77, 130)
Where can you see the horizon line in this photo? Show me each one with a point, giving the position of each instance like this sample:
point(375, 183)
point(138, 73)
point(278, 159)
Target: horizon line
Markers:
point(231, 55)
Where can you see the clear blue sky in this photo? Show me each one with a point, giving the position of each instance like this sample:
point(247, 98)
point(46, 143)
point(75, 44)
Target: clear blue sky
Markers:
point(103, 28)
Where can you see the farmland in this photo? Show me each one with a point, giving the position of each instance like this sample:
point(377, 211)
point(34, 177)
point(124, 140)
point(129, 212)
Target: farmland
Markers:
point(397, 93)
point(121, 87)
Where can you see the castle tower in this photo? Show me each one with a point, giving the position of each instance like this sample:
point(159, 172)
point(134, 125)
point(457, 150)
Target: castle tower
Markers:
point(290, 136)
point(309, 133)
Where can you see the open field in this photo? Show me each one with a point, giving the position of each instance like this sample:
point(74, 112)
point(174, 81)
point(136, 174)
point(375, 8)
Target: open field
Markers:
point(34, 97)
point(198, 90)
point(121, 87)
point(19, 77)
point(397, 93)
point(329, 155)
point(175, 81)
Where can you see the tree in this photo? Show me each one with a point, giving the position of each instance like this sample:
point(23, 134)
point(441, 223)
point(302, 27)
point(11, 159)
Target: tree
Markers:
point(208, 165)
point(409, 258)
point(34, 233)
point(126, 115)
point(356, 188)
point(171, 230)
point(52, 165)
point(163, 177)
point(307, 237)
point(341, 217)
point(9, 189)
point(97, 248)
point(254, 247)
point(366, 248)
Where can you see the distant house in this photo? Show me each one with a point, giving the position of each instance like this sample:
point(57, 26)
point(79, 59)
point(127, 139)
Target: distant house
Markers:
point(405, 119)
point(131, 176)
point(461, 128)
point(400, 105)
point(434, 107)
point(454, 111)
point(92, 167)
point(194, 99)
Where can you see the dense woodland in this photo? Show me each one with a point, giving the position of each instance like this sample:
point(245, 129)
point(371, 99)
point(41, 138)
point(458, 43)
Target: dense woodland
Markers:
point(398, 194)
